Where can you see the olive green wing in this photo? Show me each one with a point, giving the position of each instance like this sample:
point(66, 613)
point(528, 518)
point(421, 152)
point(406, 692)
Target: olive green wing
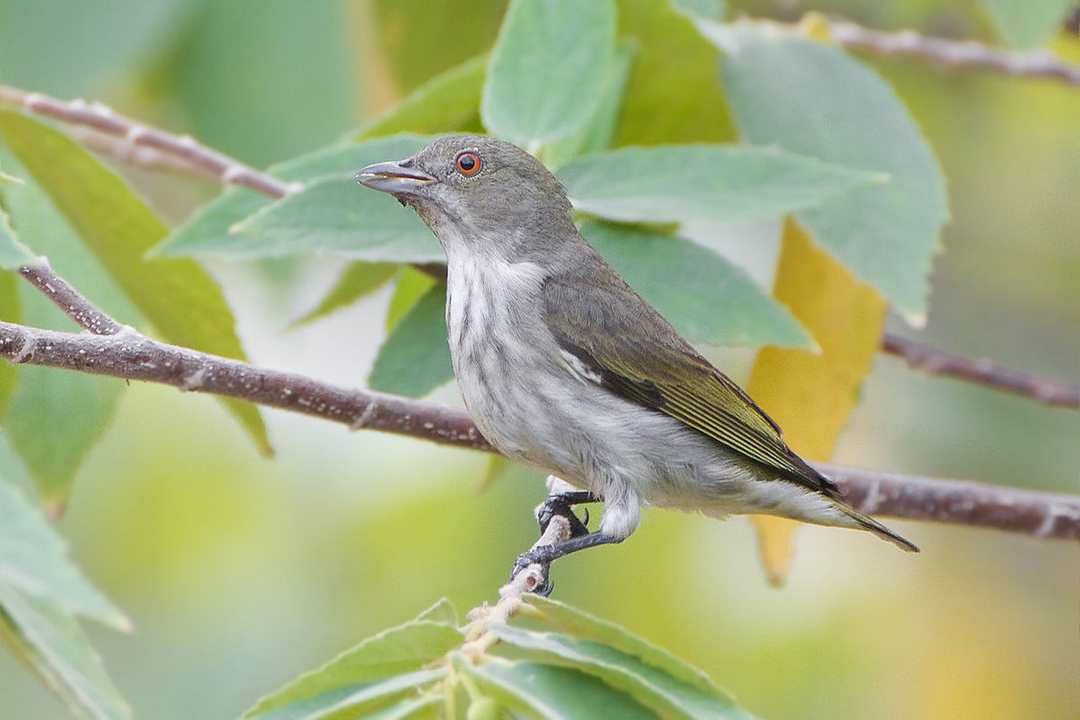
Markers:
point(633, 352)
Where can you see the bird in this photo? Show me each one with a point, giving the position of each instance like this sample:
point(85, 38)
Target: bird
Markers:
point(563, 366)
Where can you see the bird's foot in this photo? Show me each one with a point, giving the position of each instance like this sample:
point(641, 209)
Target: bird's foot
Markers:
point(524, 560)
point(563, 505)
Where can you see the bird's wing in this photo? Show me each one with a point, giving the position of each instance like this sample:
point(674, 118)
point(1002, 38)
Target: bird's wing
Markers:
point(621, 340)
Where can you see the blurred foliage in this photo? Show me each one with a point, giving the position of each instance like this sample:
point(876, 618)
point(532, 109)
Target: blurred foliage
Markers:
point(218, 546)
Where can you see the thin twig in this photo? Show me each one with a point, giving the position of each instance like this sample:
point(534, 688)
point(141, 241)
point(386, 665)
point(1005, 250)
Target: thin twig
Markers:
point(478, 634)
point(954, 53)
point(132, 356)
point(68, 299)
point(983, 371)
point(103, 119)
point(230, 171)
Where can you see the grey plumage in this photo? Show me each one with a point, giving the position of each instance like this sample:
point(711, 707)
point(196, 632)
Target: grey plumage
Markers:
point(563, 366)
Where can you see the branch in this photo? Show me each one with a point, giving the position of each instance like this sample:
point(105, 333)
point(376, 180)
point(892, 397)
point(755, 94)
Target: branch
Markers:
point(103, 119)
point(132, 356)
point(954, 53)
point(87, 315)
point(982, 371)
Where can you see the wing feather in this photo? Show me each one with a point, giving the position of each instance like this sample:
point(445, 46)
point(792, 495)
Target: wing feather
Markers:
point(594, 315)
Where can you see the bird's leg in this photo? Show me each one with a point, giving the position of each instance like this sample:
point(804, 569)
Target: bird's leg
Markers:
point(546, 554)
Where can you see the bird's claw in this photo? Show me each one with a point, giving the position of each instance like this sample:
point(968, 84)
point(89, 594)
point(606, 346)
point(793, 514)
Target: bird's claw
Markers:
point(553, 506)
point(531, 557)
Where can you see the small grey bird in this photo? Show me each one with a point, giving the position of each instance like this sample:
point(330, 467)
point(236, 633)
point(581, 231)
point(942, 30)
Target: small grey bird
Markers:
point(564, 367)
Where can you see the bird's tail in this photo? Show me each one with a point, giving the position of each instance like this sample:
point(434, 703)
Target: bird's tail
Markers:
point(868, 523)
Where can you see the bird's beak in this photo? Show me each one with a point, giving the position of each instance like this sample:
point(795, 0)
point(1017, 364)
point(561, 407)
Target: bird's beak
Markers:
point(396, 178)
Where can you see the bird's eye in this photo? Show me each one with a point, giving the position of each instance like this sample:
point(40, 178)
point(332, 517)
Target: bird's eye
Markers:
point(467, 163)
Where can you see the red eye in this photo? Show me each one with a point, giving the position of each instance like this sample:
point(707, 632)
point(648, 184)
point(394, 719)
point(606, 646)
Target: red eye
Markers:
point(467, 163)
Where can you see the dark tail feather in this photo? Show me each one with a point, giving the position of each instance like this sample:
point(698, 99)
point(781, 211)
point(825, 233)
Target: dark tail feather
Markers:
point(878, 529)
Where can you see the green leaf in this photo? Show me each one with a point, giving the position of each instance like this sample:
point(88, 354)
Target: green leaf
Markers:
point(599, 131)
point(705, 297)
point(336, 216)
point(415, 358)
point(448, 102)
point(674, 94)
point(403, 649)
point(52, 644)
point(412, 284)
point(425, 706)
point(178, 297)
point(208, 234)
point(416, 45)
point(572, 621)
point(1028, 23)
point(34, 559)
point(552, 693)
point(358, 280)
point(359, 703)
point(548, 69)
point(261, 80)
point(13, 254)
point(442, 611)
point(5, 178)
point(721, 183)
point(645, 683)
point(814, 99)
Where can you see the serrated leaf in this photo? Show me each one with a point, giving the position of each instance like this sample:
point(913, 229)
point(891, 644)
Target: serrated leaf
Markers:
point(336, 216)
point(719, 183)
point(551, 692)
point(13, 254)
point(415, 358)
point(34, 559)
point(51, 643)
point(548, 69)
point(1027, 23)
point(178, 297)
point(645, 683)
point(207, 232)
point(674, 94)
point(599, 130)
point(814, 99)
point(448, 102)
point(54, 418)
point(704, 296)
point(570, 620)
point(442, 611)
point(403, 649)
point(812, 395)
point(357, 280)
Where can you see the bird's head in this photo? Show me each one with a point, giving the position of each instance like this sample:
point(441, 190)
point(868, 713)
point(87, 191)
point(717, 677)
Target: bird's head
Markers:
point(476, 190)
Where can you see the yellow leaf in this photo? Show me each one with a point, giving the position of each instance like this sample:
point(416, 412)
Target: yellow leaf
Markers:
point(811, 395)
